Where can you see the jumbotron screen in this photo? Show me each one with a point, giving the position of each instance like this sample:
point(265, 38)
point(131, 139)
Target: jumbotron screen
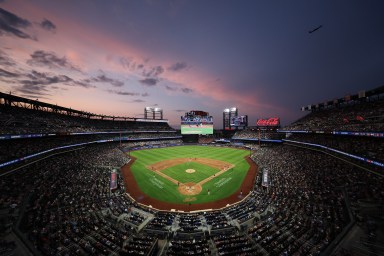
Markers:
point(196, 122)
point(239, 121)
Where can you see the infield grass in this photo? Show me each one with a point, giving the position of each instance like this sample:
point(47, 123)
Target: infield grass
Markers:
point(162, 189)
point(201, 172)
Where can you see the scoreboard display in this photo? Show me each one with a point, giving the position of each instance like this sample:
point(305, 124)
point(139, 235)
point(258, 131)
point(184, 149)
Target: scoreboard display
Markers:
point(239, 121)
point(196, 122)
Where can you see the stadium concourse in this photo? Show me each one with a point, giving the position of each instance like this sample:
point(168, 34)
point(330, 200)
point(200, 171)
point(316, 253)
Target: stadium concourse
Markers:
point(317, 202)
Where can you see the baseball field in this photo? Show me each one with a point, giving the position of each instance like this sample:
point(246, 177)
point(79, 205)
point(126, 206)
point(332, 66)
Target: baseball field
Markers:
point(187, 175)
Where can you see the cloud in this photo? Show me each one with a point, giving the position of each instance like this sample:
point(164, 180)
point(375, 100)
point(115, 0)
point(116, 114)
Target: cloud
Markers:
point(145, 94)
point(153, 72)
point(186, 90)
point(11, 24)
point(104, 79)
point(123, 93)
point(51, 60)
point(48, 25)
point(8, 74)
point(125, 62)
point(36, 78)
point(138, 101)
point(129, 63)
point(33, 90)
point(149, 81)
point(6, 60)
point(170, 88)
point(178, 66)
point(83, 83)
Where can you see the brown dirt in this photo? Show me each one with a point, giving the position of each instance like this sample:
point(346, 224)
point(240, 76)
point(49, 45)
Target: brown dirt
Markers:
point(190, 189)
point(134, 191)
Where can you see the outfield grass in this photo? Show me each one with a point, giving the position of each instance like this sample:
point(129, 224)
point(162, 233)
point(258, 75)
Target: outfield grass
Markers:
point(162, 189)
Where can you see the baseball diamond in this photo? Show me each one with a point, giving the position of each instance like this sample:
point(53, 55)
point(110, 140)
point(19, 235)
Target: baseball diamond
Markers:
point(189, 177)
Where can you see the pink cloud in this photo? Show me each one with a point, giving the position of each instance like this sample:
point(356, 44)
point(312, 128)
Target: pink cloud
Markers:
point(93, 49)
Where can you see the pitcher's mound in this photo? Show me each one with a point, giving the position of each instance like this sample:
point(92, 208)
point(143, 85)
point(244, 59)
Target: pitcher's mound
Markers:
point(190, 189)
point(190, 171)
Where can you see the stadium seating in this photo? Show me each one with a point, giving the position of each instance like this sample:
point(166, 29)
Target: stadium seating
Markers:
point(62, 205)
point(357, 116)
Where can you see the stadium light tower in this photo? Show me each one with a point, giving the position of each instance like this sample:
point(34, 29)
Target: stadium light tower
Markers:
point(153, 113)
point(228, 113)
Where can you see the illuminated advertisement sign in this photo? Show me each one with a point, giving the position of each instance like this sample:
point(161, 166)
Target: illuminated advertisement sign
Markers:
point(273, 121)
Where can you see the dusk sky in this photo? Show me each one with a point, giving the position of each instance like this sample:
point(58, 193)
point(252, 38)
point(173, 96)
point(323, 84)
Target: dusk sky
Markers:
point(116, 57)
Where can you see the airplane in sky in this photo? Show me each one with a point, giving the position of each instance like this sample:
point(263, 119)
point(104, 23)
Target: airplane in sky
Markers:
point(315, 29)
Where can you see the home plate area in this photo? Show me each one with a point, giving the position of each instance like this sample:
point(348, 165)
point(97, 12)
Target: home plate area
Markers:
point(190, 189)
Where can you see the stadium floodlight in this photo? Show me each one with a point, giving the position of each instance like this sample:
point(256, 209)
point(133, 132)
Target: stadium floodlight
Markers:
point(153, 113)
point(233, 109)
point(226, 110)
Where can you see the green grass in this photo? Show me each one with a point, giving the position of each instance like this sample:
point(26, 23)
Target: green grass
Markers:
point(178, 172)
point(162, 189)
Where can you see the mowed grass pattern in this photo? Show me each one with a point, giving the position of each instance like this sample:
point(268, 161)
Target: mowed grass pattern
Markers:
point(162, 189)
point(201, 172)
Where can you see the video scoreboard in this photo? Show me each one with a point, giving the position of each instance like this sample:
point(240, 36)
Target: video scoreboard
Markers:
point(196, 122)
point(239, 121)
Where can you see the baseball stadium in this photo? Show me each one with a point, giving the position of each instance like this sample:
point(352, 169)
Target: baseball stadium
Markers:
point(149, 189)
point(178, 127)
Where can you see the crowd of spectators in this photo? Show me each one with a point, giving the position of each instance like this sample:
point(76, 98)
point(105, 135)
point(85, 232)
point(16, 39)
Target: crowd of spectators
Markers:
point(362, 116)
point(216, 220)
point(134, 218)
point(235, 244)
point(65, 207)
point(17, 120)
point(188, 246)
point(367, 147)
point(311, 187)
point(11, 149)
point(140, 245)
point(162, 221)
point(189, 223)
point(254, 134)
